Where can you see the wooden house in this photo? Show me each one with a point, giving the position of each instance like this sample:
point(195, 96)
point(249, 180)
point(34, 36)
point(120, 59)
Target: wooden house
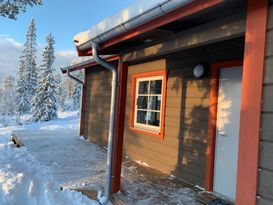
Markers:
point(194, 94)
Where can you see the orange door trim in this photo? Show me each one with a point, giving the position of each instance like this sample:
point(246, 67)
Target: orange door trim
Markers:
point(214, 86)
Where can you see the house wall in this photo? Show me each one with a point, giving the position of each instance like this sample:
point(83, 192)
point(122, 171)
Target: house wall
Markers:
point(97, 106)
point(265, 184)
point(182, 151)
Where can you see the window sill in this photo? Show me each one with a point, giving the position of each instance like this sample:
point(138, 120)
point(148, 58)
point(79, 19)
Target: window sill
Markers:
point(147, 132)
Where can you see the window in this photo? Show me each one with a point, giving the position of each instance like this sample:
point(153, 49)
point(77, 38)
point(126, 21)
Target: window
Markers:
point(148, 103)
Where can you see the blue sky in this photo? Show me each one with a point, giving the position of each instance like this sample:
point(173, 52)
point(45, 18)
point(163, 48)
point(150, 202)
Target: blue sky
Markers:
point(64, 18)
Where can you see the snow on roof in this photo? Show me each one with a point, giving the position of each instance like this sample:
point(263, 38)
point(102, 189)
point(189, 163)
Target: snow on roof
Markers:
point(81, 61)
point(138, 13)
point(77, 62)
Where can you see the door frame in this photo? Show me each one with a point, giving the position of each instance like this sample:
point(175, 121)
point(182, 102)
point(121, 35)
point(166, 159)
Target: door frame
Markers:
point(214, 88)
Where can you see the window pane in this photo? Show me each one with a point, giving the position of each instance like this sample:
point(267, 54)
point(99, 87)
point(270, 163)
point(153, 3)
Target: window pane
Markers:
point(142, 102)
point(153, 118)
point(141, 117)
point(154, 103)
point(143, 87)
point(155, 86)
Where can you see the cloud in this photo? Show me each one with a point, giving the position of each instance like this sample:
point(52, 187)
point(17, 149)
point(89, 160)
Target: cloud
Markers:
point(67, 53)
point(11, 50)
point(63, 58)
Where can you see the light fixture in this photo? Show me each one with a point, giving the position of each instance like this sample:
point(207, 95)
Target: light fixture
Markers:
point(148, 40)
point(198, 71)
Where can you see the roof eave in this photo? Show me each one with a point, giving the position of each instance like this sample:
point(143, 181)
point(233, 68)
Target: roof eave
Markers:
point(86, 64)
point(179, 13)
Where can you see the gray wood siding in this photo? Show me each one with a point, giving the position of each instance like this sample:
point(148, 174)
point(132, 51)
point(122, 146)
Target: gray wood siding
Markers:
point(265, 184)
point(182, 151)
point(97, 107)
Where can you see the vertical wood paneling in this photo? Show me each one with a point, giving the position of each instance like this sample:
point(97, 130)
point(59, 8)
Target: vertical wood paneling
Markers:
point(265, 180)
point(97, 105)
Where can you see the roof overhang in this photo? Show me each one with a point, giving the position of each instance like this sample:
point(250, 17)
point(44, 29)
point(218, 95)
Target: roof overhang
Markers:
point(182, 9)
point(86, 64)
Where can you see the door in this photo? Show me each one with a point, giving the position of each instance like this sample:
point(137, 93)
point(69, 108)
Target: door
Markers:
point(227, 131)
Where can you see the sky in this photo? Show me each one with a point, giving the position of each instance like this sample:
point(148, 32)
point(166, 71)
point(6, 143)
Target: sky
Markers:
point(63, 18)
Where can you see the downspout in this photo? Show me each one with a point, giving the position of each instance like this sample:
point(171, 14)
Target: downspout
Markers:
point(74, 78)
point(104, 197)
point(83, 85)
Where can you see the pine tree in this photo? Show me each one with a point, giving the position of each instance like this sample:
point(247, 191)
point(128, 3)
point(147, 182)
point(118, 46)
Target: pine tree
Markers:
point(8, 95)
point(22, 106)
point(60, 93)
point(11, 8)
point(31, 61)
point(44, 102)
point(27, 73)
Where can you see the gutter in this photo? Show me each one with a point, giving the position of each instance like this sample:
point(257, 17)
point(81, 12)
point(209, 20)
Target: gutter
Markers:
point(87, 63)
point(116, 25)
point(104, 197)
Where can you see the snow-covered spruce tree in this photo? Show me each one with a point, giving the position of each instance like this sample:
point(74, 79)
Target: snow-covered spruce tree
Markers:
point(30, 59)
point(22, 103)
point(11, 8)
point(60, 93)
point(7, 97)
point(27, 73)
point(76, 95)
point(45, 100)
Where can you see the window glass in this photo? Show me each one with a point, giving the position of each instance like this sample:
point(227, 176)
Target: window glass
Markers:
point(141, 117)
point(153, 118)
point(148, 103)
point(142, 102)
point(154, 103)
point(155, 86)
point(143, 87)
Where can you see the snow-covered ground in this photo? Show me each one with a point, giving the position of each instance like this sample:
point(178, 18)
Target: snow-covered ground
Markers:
point(54, 156)
point(24, 180)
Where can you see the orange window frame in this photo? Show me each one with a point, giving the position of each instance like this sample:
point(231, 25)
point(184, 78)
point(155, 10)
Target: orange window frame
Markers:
point(134, 78)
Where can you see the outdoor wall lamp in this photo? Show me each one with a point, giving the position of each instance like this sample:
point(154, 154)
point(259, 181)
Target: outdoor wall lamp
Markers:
point(198, 71)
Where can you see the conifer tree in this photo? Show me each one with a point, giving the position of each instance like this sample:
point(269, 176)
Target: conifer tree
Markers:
point(11, 8)
point(27, 73)
point(31, 60)
point(22, 105)
point(7, 98)
point(44, 102)
point(60, 93)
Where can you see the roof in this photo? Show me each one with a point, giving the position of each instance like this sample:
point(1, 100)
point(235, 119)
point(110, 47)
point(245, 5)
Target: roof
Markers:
point(82, 63)
point(138, 13)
